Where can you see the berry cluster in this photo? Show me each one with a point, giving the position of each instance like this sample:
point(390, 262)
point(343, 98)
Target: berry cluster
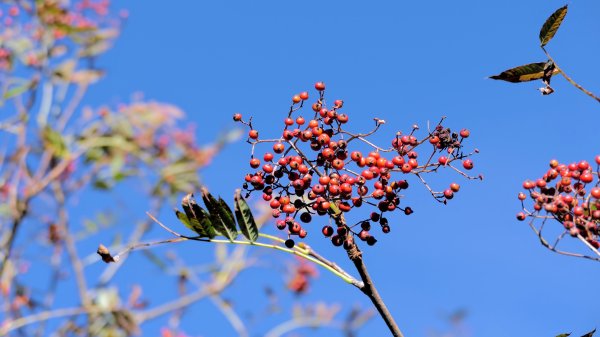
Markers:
point(312, 169)
point(569, 194)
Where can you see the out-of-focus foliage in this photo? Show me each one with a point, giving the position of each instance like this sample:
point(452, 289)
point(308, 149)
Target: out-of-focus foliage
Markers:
point(55, 150)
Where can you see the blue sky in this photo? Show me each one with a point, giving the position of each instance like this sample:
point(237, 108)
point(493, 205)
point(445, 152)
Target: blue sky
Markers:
point(405, 62)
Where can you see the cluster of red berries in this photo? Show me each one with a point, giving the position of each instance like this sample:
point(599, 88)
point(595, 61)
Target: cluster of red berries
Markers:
point(312, 169)
point(570, 194)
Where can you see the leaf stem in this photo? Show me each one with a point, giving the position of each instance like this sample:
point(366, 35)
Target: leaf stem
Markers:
point(560, 70)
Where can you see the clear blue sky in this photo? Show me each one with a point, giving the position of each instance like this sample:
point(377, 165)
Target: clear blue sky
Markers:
point(405, 62)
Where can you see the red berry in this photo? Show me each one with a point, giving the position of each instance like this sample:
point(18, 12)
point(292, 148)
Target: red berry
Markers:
point(303, 95)
point(342, 118)
point(521, 216)
point(465, 133)
point(253, 134)
point(327, 231)
point(595, 192)
point(448, 194)
point(254, 162)
point(338, 103)
point(468, 164)
point(586, 177)
point(296, 99)
point(268, 156)
point(522, 196)
point(320, 86)
point(237, 117)
point(455, 187)
point(443, 160)
point(583, 165)
point(597, 159)
point(406, 168)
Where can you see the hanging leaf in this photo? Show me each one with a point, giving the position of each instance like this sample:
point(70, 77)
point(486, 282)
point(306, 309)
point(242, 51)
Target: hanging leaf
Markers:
point(216, 211)
point(589, 334)
point(244, 217)
point(524, 73)
point(197, 218)
point(551, 25)
point(549, 69)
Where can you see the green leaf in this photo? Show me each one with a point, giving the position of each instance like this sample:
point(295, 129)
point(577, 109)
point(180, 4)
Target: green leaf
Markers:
point(244, 217)
point(19, 89)
point(551, 25)
point(184, 219)
point(54, 142)
point(524, 73)
point(218, 216)
point(199, 220)
point(589, 334)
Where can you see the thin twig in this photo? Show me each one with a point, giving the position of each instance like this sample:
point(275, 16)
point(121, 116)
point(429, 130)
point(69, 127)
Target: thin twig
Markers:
point(561, 71)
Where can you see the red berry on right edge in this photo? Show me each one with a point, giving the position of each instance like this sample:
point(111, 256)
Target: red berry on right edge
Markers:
point(595, 192)
point(468, 164)
point(320, 86)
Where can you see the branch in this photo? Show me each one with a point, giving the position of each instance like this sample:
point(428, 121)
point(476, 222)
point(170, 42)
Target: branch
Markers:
point(589, 93)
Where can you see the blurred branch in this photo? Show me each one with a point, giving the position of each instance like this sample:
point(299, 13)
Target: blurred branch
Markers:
point(10, 325)
point(70, 245)
point(230, 314)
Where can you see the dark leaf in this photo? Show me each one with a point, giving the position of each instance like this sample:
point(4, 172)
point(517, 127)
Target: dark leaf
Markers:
point(551, 25)
point(524, 73)
point(199, 220)
point(589, 334)
point(227, 216)
point(102, 184)
point(216, 211)
point(564, 335)
point(244, 217)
